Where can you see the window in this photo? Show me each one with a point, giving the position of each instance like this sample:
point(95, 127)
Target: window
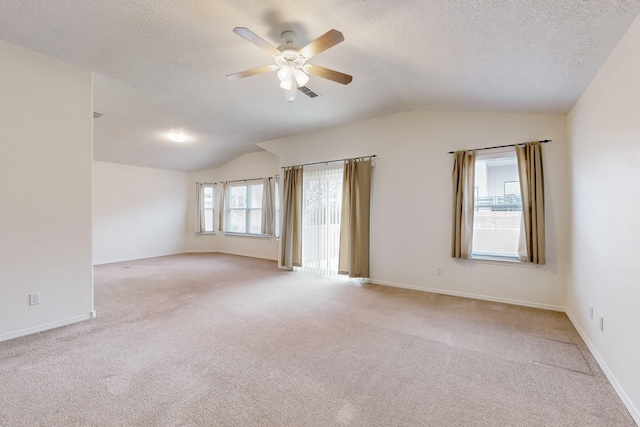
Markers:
point(497, 206)
point(244, 214)
point(208, 209)
point(205, 208)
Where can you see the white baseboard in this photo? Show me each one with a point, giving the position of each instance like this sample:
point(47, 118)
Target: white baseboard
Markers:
point(468, 295)
point(45, 327)
point(635, 413)
point(259, 256)
point(115, 260)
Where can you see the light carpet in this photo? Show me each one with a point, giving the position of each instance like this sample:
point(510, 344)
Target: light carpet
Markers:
point(221, 340)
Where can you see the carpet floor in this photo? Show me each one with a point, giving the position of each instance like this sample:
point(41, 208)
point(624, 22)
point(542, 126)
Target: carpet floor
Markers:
point(222, 340)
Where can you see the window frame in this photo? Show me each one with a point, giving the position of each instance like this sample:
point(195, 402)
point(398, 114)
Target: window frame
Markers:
point(247, 209)
point(489, 256)
point(276, 208)
point(203, 208)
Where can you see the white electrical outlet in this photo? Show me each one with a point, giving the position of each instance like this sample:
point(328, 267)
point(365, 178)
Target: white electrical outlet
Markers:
point(601, 323)
point(34, 299)
point(439, 271)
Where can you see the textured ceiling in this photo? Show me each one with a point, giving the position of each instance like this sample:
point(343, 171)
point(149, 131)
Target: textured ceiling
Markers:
point(160, 64)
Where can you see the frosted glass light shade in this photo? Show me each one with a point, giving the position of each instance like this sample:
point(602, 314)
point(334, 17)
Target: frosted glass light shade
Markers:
point(286, 84)
point(301, 77)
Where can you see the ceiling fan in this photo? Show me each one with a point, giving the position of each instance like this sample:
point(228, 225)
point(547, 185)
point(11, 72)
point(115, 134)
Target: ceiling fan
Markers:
point(291, 61)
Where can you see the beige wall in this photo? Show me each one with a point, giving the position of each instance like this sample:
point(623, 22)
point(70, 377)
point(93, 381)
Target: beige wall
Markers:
point(411, 205)
point(137, 212)
point(45, 192)
point(605, 150)
point(143, 212)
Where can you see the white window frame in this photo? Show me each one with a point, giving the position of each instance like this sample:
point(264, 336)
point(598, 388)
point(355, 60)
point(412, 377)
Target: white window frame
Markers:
point(247, 209)
point(508, 153)
point(276, 208)
point(203, 209)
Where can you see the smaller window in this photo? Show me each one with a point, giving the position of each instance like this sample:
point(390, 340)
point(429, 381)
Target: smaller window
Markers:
point(244, 215)
point(208, 208)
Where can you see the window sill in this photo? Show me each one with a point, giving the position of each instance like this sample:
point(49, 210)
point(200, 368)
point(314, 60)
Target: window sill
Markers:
point(510, 261)
point(260, 236)
point(207, 232)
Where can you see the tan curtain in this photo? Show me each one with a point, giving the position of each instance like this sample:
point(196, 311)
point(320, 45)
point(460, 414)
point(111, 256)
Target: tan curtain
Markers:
point(223, 203)
point(463, 194)
point(267, 207)
point(532, 191)
point(199, 220)
point(291, 232)
point(354, 221)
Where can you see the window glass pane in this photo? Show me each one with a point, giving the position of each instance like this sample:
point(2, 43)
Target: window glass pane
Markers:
point(208, 220)
point(237, 220)
point(245, 209)
point(255, 221)
point(498, 205)
point(208, 197)
point(208, 207)
point(255, 196)
point(512, 188)
point(238, 196)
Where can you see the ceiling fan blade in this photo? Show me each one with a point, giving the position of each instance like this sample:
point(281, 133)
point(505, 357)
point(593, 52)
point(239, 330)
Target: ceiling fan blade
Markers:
point(251, 72)
point(252, 37)
point(328, 74)
point(322, 43)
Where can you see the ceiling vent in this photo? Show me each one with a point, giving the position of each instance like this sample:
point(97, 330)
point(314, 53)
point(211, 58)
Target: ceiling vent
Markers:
point(309, 92)
point(97, 115)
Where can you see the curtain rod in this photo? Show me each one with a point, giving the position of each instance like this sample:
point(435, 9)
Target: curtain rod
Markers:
point(245, 180)
point(251, 179)
point(544, 141)
point(239, 180)
point(373, 156)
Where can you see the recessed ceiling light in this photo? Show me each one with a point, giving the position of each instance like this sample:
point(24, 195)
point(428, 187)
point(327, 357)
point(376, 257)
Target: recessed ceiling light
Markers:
point(177, 135)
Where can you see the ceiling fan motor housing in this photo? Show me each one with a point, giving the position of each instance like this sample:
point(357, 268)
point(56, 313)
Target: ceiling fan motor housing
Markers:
point(290, 60)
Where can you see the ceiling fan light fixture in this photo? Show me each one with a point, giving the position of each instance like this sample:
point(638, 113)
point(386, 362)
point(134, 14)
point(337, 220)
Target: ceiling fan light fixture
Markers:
point(301, 77)
point(284, 73)
point(290, 61)
point(287, 84)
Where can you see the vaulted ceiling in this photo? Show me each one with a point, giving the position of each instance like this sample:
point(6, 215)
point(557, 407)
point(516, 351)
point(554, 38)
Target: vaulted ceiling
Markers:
point(161, 64)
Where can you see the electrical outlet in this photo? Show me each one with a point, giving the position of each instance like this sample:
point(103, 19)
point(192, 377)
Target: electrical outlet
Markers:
point(601, 323)
point(34, 299)
point(439, 271)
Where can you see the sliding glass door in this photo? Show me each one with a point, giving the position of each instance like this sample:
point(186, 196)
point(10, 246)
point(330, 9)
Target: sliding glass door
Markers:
point(322, 205)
